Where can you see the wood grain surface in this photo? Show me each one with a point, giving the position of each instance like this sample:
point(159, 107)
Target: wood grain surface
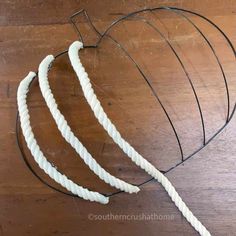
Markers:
point(30, 30)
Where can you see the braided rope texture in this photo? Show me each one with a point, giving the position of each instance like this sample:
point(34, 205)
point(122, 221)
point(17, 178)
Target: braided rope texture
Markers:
point(124, 145)
point(38, 154)
point(69, 135)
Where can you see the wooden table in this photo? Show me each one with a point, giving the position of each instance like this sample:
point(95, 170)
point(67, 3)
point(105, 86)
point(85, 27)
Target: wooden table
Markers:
point(30, 30)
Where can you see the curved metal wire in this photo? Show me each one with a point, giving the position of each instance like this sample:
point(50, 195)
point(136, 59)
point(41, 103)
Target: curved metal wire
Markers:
point(187, 75)
point(153, 92)
point(105, 33)
point(190, 82)
point(216, 57)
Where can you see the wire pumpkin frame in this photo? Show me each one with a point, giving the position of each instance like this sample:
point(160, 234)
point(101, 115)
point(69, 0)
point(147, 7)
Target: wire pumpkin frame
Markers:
point(179, 12)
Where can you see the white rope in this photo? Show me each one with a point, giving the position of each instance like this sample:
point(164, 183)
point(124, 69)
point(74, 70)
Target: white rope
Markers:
point(124, 145)
point(69, 135)
point(38, 154)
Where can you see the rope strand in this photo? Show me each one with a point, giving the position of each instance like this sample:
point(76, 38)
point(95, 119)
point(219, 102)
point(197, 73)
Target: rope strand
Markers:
point(38, 154)
point(124, 145)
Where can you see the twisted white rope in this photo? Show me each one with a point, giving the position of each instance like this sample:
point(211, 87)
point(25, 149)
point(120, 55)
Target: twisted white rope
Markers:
point(38, 154)
point(69, 135)
point(124, 145)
